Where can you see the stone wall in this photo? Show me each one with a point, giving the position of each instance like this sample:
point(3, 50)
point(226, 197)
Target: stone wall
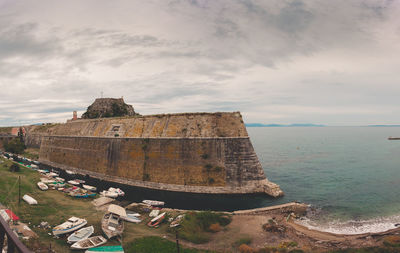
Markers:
point(201, 165)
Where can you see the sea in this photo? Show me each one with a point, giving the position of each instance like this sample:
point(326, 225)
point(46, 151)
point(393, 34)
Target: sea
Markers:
point(349, 175)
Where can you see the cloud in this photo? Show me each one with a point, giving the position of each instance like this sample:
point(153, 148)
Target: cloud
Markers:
point(290, 60)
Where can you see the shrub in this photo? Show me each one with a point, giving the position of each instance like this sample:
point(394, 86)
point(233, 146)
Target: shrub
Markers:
point(14, 167)
point(215, 228)
point(392, 241)
point(14, 146)
point(244, 248)
point(241, 241)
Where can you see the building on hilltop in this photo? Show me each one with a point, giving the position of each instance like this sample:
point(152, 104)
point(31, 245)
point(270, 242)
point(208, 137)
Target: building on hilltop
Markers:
point(107, 108)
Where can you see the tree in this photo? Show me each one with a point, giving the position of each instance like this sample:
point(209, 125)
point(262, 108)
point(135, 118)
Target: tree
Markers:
point(15, 146)
point(14, 167)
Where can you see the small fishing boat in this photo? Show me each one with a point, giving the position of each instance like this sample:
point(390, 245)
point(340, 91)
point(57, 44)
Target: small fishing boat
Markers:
point(70, 172)
point(47, 180)
point(132, 217)
point(89, 187)
point(111, 224)
point(109, 194)
point(29, 200)
point(157, 220)
point(153, 202)
point(106, 249)
point(177, 221)
point(43, 171)
point(80, 181)
point(154, 213)
point(81, 234)
point(70, 225)
point(42, 186)
point(83, 194)
point(52, 174)
point(57, 184)
point(59, 179)
point(90, 242)
point(74, 182)
point(116, 190)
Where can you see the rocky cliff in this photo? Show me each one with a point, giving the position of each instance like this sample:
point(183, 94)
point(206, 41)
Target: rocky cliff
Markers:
point(108, 107)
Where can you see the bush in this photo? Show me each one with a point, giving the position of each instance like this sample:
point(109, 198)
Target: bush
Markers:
point(241, 241)
point(15, 146)
point(14, 167)
point(392, 241)
point(244, 248)
point(215, 228)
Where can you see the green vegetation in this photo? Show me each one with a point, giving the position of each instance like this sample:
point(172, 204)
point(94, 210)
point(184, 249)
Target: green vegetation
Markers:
point(5, 130)
point(156, 244)
point(14, 167)
point(240, 241)
point(15, 146)
point(197, 227)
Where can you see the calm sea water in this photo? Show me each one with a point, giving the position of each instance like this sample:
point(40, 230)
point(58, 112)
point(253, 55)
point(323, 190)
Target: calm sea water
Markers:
point(350, 175)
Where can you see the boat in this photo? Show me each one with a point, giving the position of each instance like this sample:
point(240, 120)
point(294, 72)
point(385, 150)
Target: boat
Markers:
point(43, 171)
point(90, 242)
point(89, 187)
point(29, 200)
point(116, 190)
point(157, 220)
point(57, 184)
point(83, 194)
point(132, 217)
point(42, 186)
point(81, 234)
point(177, 221)
point(70, 225)
point(80, 181)
point(60, 179)
point(106, 249)
point(153, 202)
point(70, 172)
point(154, 213)
point(52, 174)
point(73, 182)
point(109, 194)
point(47, 180)
point(111, 224)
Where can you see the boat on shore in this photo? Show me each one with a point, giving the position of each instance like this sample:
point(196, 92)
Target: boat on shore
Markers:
point(70, 225)
point(42, 186)
point(29, 200)
point(109, 194)
point(83, 194)
point(157, 220)
point(90, 242)
point(89, 187)
point(70, 172)
point(153, 202)
point(81, 234)
point(106, 249)
point(111, 224)
point(177, 221)
point(132, 217)
point(73, 182)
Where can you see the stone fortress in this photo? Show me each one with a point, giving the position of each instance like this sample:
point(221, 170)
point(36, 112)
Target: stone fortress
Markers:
point(186, 152)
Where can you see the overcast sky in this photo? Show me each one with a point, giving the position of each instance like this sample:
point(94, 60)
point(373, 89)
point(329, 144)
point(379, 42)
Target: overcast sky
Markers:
point(330, 62)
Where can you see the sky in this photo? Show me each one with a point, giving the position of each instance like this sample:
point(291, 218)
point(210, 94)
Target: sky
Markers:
point(330, 62)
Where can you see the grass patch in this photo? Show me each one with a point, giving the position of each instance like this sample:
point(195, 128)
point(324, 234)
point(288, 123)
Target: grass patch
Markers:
point(197, 227)
point(152, 244)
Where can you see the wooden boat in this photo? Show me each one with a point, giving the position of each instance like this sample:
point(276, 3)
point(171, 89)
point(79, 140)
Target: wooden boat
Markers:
point(73, 182)
point(83, 194)
point(90, 242)
point(111, 224)
point(89, 187)
point(157, 220)
point(70, 225)
point(81, 234)
point(42, 186)
point(29, 200)
point(153, 202)
point(106, 249)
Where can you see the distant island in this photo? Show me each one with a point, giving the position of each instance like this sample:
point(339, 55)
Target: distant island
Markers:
point(282, 125)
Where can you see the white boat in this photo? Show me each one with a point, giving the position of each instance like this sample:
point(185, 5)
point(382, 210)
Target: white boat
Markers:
point(106, 249)
point(29, 200)
point(81, 234)
point(52, 174)
point(60, 179)
point(177, 221)
point(116, 190)
point(154, 213)
point(153, 202)
point(90, 242)
point(157, 220)
point(70, 172)
point(47, 180)
point(109, 194)
point(89, 187)
point(70, 225)
point(132, 217)
point(73, 182)
point(42, 186)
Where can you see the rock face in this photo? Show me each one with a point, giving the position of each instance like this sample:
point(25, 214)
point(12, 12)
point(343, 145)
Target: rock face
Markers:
point(188, 152)
point(108, 107)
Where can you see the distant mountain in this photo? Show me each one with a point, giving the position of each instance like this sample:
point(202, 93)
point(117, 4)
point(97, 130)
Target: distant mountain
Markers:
point(281, 125)
point(383, 126)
